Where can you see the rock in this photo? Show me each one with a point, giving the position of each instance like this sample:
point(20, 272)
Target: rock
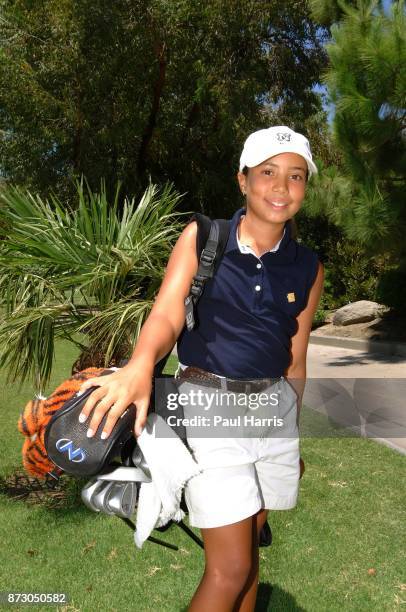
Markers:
point(330, 316)
point(358, 312)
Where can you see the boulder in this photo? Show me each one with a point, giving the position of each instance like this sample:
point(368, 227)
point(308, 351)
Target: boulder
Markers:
point(358, 312)
point(330, 316)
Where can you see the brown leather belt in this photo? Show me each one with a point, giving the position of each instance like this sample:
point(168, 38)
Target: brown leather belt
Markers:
point(208, 379)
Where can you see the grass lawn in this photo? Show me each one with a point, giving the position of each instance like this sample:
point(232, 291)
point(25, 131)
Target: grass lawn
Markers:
point(350, 520)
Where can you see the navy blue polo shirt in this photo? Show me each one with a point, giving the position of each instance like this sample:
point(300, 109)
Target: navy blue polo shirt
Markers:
point(247, 312)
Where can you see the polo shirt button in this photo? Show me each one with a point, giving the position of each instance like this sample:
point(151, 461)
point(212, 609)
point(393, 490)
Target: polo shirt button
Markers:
point(257, 287)
point(259, 266)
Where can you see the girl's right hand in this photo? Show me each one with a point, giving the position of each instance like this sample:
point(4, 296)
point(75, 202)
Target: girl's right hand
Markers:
point(115, 393)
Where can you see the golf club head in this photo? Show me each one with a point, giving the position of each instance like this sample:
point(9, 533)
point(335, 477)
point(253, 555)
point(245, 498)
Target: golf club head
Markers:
point(88, 491)
point(99, 498)
point(121, 498)
point(139, 461)
point(68, 446)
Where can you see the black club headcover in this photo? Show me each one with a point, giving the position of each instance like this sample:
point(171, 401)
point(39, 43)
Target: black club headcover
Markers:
point(70, 449)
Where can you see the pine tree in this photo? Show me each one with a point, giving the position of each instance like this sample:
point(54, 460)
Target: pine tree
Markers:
point(328, 12)
point(367, 84)
point(363, 194)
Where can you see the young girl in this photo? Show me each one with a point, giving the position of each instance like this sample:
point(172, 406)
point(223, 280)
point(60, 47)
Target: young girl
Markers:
point(255, 318)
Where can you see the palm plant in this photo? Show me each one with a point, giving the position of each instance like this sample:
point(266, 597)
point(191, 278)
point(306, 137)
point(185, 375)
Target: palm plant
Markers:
point(88, 274)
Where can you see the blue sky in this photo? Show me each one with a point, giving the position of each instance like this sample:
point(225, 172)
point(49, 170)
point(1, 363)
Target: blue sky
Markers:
point(387, 4)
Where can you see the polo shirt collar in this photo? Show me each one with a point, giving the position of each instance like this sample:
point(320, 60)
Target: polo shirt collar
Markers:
point(286, 252)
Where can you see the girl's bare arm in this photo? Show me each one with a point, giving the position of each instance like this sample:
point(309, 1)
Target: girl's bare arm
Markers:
point(132, 383)
point(296, 372)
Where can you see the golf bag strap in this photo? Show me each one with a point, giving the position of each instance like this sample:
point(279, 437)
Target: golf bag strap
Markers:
point(209, 248)
point(211, 242)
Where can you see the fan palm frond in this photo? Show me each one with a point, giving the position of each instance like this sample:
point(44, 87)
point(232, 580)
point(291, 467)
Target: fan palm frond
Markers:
point(63, 270)
point(117, 325)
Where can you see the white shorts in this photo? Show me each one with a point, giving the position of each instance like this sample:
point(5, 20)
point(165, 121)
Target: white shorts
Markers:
point(242, 475)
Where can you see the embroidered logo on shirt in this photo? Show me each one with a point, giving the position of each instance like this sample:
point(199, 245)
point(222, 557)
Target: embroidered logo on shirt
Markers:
point(291, 297)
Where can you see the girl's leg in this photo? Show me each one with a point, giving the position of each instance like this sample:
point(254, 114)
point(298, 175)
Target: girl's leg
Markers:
point(248, 596)
point(229, 558)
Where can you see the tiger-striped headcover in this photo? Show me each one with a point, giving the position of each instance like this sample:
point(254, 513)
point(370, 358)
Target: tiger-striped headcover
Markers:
point(35, 417)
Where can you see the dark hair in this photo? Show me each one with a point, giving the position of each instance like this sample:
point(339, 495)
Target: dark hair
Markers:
point(245, 172)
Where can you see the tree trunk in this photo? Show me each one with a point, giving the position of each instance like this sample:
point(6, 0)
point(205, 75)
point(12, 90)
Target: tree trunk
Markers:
point(160, 51)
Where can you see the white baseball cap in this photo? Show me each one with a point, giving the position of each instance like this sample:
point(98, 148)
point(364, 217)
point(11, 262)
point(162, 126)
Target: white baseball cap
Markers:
point(263, 144)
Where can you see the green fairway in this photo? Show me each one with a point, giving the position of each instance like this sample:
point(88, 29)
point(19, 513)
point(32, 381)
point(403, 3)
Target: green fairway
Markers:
point(349, 520)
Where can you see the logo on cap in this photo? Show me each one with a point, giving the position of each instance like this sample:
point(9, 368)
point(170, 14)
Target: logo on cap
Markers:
point(283, 136)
